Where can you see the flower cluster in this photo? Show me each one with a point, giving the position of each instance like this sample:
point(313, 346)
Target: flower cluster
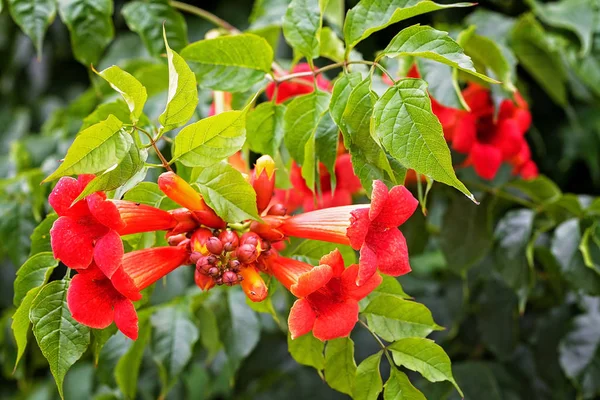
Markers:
point(86, 238)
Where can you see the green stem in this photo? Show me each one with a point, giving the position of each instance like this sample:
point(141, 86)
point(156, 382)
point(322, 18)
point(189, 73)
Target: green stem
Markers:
point(162, 158)
point(381, 344)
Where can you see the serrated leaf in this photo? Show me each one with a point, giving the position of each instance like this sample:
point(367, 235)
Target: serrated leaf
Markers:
point(393, 318)
point(425, 357)
point(230, 63)
point(332, 46)
point(210, 140)
point(302, 24)
point(128, 368)
point(21, 322)
point(340, 367)
point(300, 120)
point(182, 96)
point(426, 42)
point(368, 383)
point(62, 340)
point(117, 108)
point(264, 128)
point(339, 96)
point(326, 144)
point(530, 43)
point(133, 92)
point(115, 177)
point(35, 272)
point(146, 17)
point(307, 350)
point(399, 387)
point(227, 192)
point(40, 238)
point(91, 27)
point(311, 251)
point(412, 134)
point(33, 17)
point(95, 149)
point(173, 337)
point(370, 16)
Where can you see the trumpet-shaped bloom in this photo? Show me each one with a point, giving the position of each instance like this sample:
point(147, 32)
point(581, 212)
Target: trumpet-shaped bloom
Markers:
point(289, 89)
point(327, 295)
point(370, 229)
point(96, 301)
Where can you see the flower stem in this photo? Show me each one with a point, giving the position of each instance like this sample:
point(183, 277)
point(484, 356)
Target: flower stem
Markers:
point(381, 344)
point(210, 17)
point(162, 158)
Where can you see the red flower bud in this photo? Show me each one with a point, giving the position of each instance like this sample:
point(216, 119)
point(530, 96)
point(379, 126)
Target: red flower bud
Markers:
point(267, 231)
point(229, 239)
point(263, 181)
point(204, 282)
point(185, 221)
point(174, 240)
point(252, 284)
point(213, 271)
point(277, 209)
point(214, 245)
point(195, 256)
point(250, 238)
point(234, 265)
point(230, 278)
point(247, 253)
point(199, 239)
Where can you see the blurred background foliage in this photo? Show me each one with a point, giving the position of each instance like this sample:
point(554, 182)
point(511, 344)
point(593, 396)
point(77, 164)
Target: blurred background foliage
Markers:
point(515, 281)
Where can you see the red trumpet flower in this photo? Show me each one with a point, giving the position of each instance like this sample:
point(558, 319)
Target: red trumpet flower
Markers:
point(263, 181)
point(327, 295)
point(96, 301)
point(289, 89)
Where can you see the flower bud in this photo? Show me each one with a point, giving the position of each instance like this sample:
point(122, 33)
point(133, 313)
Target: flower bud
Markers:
point(181, 192)
point(263, 181)
point(213, 271)
point(230, 278)
point(277, 209)
point(199, 239)
point(229, 239)
point(266, 231)
point(174, 240)
point(214, 245)
point(253, 284)
point(203, 264)
point(204, 282)
point(195, 256)
point(250, 238)
point(234, 265)
point(185, 221)
point(247, 253)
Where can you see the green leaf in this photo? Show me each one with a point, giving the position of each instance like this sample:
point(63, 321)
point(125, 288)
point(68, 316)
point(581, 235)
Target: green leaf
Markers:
point(577, 16)
point(210, 140)
point(425, 357)
point(300, 120)
point(590, 249)
point(311, 251)
point(302, 27)
point(128, 367)
point(391, 287)
point(146, 17)
point(118, 108)
point(332, 46)
point(173, 337)
point(182, 97)
point(268, 13)
point(62, 340)
point(540, 190)
point(340, 94)
point(264, 128)
point(227, 192)
point(340, 367)
point(230, 63)
point(466, 233)
point(21, 322)
point(370, 16)
point(398, 387)
point(393, 318)
point(243, 333)
point(334, 13)
point(368, 383)
point(412, 134)
point(537, 55)
point(494, 56)
point(326, 144)
point(35, 272)
point(95, 149)
point(426, 42)
point(307, 350)
point(114, 178)
point(442, 83)
point(127, 86)
point(578, 348)
point(149, 193)
point(40, 238)
point(91, 27)
point(33, 17)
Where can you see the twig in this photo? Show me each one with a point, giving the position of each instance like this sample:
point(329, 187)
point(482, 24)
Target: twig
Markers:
point(162, 158)
point(381, 344)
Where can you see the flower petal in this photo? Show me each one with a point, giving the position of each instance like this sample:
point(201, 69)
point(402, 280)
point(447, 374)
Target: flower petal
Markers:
point(508, 138)
point(335, 261)
point(336, 321)
point(352, 290)
point(71, 243)
point(126, 318)
point(391, 250)
point(486, 160)
point(66, 190)
point(91, 301)
point(367, 264)
point(379, 197)
point(311, 281)
point(108, 253)
point(302, 318)
point(105, 211)
point(358, 228)
point(123, 283)
point(400, 205)
point(465, 133)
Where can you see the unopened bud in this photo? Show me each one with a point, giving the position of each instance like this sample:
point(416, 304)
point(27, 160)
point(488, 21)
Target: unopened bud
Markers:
point(203, 264)
point(253, 284)
point(213, 271)
point(195, 256)
point(263, 181)
point(230, 240)
point(234, 265)
point(278, 210)
point(204, 282)
point(174, 240)
point(230, 278)
point(219, 281)
point(250, 238)
point(199, 239)
point(247, 253)
point(214, 245)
